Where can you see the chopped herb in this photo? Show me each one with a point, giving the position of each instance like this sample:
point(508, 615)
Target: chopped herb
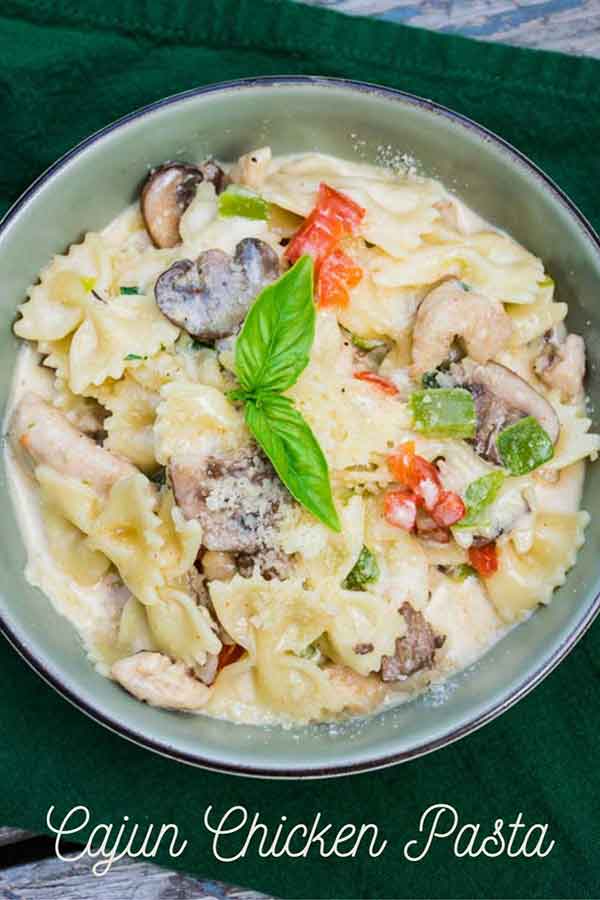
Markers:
point(443, 412)
point(131, 356)
point(460, 573)
point(524, 446)
point(434, 378)
point(129, 290)
point(365, 571)
point(480, 494)
point(312, 652)
point(430, 380)
point(465, 287)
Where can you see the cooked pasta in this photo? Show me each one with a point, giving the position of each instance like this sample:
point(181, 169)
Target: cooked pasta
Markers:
point(294, 439)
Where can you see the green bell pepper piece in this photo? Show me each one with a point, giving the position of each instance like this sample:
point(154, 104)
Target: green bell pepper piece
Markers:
point(443, 412)
point(524, 446)
point(236, 201)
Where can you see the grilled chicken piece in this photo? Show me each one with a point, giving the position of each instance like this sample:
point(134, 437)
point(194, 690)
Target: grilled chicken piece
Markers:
point(154, 678)
point(48, 437)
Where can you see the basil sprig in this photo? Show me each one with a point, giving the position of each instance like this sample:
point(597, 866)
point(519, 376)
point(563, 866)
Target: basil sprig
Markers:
point(271, 352)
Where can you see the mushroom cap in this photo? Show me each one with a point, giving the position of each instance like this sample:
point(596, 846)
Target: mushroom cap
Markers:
point(516, 394)
point(168, 191)
point(259, 261)
point(209, 298)
point(501, 398)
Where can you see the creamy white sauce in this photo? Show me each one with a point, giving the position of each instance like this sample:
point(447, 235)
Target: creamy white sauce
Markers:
point(463, 613)
point(94, 611)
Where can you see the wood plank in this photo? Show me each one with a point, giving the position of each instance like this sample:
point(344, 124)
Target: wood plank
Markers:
point(53, 879)
point(13, 836)
point(572, 26)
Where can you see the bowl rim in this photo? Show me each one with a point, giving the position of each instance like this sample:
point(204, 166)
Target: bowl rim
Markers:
point(376, 761)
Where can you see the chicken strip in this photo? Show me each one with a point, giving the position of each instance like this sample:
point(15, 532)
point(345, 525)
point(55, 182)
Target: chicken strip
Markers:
point(49, 438)
point(154, 678)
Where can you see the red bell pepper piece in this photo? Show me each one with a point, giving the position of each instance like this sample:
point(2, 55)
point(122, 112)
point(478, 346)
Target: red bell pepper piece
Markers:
point(338, 272)
point(382, 383)
point(418, 474)
point(484, 559)
point(448, 510)
point(400, 509)
point(334, 217)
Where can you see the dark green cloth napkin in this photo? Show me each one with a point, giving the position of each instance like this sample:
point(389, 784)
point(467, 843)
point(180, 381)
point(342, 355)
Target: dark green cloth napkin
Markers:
point(68, 68)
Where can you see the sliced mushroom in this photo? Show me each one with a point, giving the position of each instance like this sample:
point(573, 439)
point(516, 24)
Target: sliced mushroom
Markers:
point(209, 298)
point(237, 498)
point(167, 193)
point(414, 651)
point(271, 563)
point(259, 262)
point(561, 362)
point(502, 398)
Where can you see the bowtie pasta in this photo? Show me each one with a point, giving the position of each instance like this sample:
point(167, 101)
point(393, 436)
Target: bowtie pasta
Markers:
point(277, 529)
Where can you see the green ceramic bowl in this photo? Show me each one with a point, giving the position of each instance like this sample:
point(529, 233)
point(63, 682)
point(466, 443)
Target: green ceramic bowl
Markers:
point(355, 121)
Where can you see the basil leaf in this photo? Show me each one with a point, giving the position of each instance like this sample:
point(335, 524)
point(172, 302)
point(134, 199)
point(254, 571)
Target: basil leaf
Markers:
point(291, 446)
point(274, 345)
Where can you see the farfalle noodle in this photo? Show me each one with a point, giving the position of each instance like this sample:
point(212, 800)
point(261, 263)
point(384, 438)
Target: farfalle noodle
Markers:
point(129, 432)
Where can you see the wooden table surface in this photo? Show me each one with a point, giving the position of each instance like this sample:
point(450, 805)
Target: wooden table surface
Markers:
point(572, 26)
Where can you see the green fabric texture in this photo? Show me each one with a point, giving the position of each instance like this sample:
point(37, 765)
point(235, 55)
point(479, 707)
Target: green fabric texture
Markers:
point(69, 68)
